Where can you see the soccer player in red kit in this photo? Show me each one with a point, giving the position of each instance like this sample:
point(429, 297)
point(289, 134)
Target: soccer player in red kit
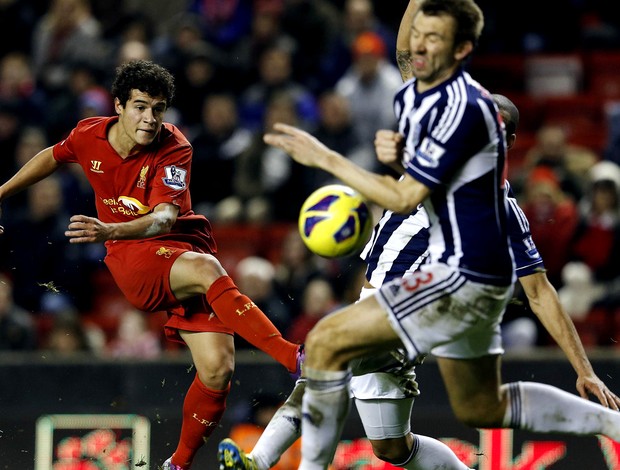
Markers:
point(159, 252)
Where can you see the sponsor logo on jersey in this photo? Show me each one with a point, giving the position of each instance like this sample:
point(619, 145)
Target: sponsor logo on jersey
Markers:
point(429, 153)
point(95, 166)
point(133, 204)
point(142, 180)
point(175, 177)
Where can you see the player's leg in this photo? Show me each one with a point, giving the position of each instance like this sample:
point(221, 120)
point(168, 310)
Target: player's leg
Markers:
point(356, 330)
point(205, 401)
point(197, 274)
point(478, 400)
point(279, 435)
point(387, 425)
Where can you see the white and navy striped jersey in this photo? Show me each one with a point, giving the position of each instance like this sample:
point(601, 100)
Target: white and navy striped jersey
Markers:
point(398, 246)
point(527, 258)
point(454, 137)
point(399, 243)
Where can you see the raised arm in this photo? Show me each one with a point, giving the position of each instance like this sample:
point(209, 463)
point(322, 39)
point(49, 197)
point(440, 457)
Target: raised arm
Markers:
point(403, 53)
point(546, 306)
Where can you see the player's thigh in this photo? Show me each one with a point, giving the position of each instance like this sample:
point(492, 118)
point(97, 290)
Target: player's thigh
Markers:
point(213, 355)
point(473, 387)
point(385, 418)
point(356, 330)
point(193, 273)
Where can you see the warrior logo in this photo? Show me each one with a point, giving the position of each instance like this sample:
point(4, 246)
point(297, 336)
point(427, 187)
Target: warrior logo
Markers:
point(95, 166)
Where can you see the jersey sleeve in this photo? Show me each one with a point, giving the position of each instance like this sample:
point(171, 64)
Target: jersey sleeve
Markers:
point(63, 151)
point(527, 258)
point(452, 137)
point(171, 179)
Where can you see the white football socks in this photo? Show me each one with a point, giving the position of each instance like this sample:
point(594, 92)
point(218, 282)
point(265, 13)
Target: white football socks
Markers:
point(325, 407)
point(542, 408)
point(281, 432)
point(430, 453)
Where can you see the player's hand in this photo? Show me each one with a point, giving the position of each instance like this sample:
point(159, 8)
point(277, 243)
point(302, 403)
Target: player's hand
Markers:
point(300, 145)
point(592, 385)
point(83, 229)
point(389, 146)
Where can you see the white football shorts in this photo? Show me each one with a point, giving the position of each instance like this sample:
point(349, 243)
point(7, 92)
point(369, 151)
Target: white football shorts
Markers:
point(439, 310)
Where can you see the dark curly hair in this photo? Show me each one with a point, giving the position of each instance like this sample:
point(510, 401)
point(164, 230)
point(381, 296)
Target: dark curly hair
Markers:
point(143, 75)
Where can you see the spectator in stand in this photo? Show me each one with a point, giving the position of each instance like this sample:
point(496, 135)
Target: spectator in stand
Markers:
point(217, 143)
point(66, 34)
point(18, 87)
point(10, 123)
point(36, 252)
point(134, 338)
point(553, 218)
point(296, 267)
point(314, 25)
point(265, 177)
point(360, 17)
point(319, 299)
point(17, 327)
point(199, 76)
point(256, 277)
point(68, 335)
point(369, 85)
point(569, 162)
point(596, 240)
point(275, 77)
point(337, 131)
point(223, 23)
point(266, 30)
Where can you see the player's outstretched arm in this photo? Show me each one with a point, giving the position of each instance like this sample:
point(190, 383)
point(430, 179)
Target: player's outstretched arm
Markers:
point(401, 196)
point(546, 306)
point(84, 229)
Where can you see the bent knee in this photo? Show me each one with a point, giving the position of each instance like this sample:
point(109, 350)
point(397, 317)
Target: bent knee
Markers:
point(393, 451)
point(322, 348)
point(215, 374)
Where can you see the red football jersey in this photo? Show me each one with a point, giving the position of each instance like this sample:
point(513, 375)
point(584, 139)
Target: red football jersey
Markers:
point(127, 188)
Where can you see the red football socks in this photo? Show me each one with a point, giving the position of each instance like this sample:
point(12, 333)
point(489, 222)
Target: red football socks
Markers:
point(202, 410)
point(238, 312)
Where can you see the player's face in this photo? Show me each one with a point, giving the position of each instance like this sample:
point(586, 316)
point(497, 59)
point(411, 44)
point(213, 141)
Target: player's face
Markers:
point(433, 57)
point(141, 118)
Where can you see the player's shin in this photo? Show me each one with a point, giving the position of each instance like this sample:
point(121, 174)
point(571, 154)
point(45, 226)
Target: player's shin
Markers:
point(240, 313)
point(325, 407)
point(282, 431)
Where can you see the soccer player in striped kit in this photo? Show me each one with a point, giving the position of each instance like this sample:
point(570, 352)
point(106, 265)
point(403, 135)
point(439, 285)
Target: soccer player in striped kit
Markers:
point(453, 305)
point(384, 398)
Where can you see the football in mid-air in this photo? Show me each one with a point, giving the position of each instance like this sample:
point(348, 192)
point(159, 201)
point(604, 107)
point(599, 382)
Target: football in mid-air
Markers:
point(335, 221)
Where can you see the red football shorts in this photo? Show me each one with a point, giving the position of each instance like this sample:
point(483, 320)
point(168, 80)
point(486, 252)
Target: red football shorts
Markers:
point(141, 269)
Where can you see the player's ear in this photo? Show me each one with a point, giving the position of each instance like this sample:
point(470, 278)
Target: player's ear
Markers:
point(118, 107)
point(463, 49)
point(510, 140)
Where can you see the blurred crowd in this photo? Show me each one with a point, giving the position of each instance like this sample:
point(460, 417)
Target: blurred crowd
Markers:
point(241, 65)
